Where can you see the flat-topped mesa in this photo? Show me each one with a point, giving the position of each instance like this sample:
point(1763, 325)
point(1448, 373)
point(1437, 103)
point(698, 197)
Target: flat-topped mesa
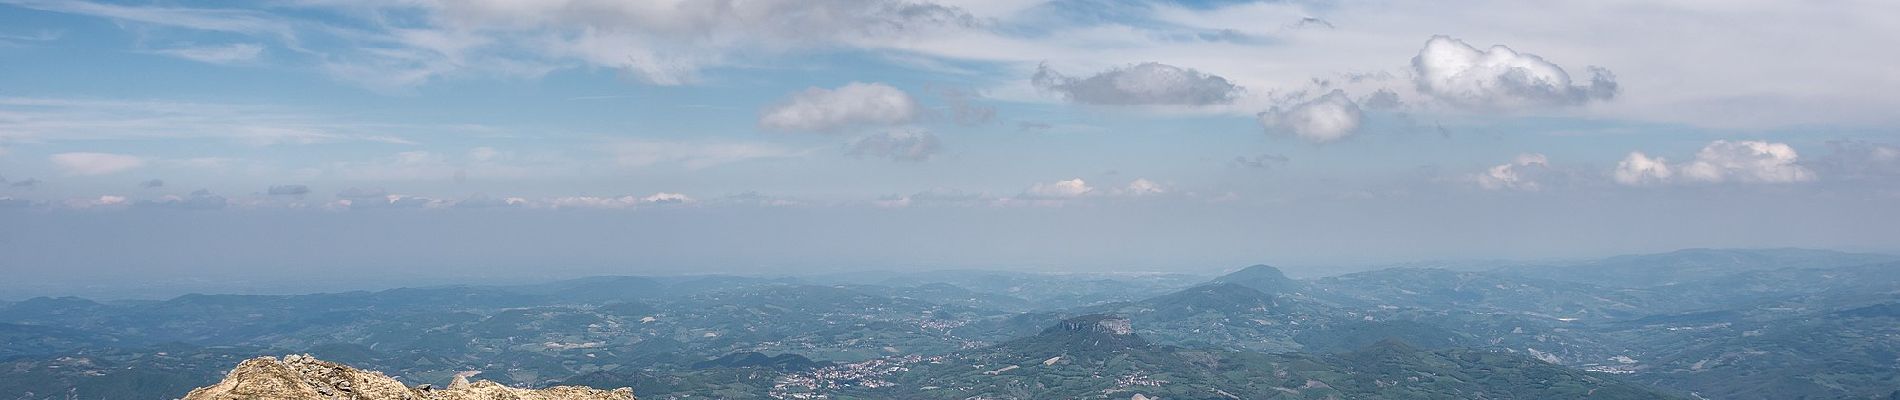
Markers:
point(304, 378)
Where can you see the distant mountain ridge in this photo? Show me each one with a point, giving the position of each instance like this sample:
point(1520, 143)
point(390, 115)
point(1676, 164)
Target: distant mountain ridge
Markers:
point(1817, 327)
point(1691, 265)
point(1100, 356)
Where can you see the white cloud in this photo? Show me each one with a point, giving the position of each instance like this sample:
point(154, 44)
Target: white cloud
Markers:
point(1330, 117)
point(666, 198)
point(393, 201)
point(1147, 83)
point(236, 53)
point(898, 145)
point(1063, 189)
point(106, 201)
point(1142, 187)
point(1658, 49)
point(853, 105)
point(592, 202)
point(621, 202)
point(1747, 161)
point(1639, 169)
point(1519, 174)
point(1500, 78)
point(95, 163)
point(483, 201)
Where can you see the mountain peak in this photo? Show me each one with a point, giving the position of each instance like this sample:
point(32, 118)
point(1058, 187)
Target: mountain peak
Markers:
point(1097, 323)
point(1093, 331)
point(305, 378)
point(1261, 277)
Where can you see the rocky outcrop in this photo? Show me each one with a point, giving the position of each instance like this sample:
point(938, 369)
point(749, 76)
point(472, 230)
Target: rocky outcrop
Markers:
point(305, 378)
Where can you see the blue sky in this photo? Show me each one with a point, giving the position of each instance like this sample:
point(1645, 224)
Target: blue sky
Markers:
point(199, 138)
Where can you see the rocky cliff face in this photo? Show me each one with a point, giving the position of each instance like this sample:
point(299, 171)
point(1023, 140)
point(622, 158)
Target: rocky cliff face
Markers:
point(305, 378)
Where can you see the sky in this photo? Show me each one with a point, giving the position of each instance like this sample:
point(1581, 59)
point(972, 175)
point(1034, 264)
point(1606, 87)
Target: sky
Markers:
point(424, 139)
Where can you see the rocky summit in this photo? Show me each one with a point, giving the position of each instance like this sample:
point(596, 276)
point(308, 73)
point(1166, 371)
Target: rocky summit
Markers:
point(300, 377)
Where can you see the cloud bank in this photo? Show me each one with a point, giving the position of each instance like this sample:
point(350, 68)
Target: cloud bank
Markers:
point(1748, 161)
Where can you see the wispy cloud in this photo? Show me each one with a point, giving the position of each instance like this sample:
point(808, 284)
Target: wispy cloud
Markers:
point(694, 154)
point(83, 163)
point(236, 53)
point(30, 119)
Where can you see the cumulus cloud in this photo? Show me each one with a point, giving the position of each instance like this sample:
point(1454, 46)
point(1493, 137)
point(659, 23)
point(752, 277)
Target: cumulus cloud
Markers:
point(1141, 187)
point(95, 163)
point(28, 183)
point(666, 198)
point(288, 190)
point(1328, 118)
point(1519, 174)
point(853, 105)
point(1501, 78)
point(1747, 161)
point(1638, 169)
point(1064, 189)
point(1141, 84)
point(900, 145)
